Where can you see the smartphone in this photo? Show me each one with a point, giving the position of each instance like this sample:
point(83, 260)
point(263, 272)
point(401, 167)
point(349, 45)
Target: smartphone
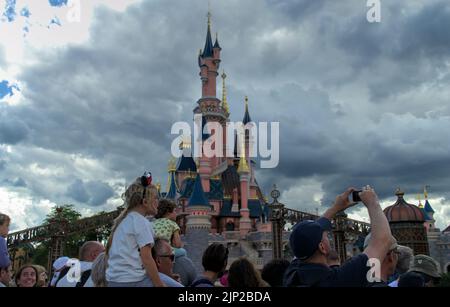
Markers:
point(355, 197)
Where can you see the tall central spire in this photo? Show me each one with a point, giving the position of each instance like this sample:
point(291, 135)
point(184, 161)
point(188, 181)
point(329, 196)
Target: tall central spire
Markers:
point(208, 50)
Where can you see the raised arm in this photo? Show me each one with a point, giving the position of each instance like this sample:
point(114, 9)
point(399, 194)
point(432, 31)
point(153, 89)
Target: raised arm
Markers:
point(381, 237)
point(341, 203)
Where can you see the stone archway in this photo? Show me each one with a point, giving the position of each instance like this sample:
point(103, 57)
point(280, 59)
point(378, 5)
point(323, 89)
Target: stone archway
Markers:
point(229, 226)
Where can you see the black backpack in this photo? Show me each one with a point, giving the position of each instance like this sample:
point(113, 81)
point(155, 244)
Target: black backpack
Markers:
point(83, 279)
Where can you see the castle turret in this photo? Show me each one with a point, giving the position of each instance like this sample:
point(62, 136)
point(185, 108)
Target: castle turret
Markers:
point(244, 176)
point(429, 212)
point(198, 225)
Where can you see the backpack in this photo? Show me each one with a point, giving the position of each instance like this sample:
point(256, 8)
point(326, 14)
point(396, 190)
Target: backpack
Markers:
point(83, 279)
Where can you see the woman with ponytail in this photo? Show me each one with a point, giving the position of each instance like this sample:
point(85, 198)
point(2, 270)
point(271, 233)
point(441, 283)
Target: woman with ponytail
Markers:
point(128, 251)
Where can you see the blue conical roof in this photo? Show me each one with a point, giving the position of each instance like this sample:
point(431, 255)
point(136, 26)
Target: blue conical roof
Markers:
point(427, 207)
point(208, 50)
point(198, 197)
point(247, 118)
point(425, 215)
point(172, 193)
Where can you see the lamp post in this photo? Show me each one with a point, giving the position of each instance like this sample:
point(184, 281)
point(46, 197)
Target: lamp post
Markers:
point(277, 218)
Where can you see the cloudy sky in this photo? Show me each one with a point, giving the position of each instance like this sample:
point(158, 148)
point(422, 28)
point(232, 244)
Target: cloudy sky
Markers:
point(87, 105)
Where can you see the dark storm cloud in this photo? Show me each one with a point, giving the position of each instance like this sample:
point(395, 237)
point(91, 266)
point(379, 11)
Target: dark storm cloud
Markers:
point(17, 182)
point(93, 193)
point(403, 51)
point(297, 9)
point(12, 130)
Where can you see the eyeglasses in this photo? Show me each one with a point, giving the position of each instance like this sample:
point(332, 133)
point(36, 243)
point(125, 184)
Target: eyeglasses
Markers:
point(171, 257)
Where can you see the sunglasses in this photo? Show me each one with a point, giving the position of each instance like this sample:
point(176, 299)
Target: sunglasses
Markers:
point(171, 257)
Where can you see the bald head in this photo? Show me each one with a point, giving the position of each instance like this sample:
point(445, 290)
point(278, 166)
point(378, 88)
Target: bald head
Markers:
point(90, 250)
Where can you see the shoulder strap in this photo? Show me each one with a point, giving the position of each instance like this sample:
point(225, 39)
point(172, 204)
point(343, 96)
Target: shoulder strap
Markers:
point(62, 274)
point(84, 277)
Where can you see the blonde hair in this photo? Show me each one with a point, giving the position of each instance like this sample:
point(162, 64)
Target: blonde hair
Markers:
point(133, 198)
point(98, 273)
point(40, 269)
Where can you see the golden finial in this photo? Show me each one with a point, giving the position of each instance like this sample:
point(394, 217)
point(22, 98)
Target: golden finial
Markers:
point(243, 165)
point(158, 186)
point(224, 94)
point(419, 198)
point(172, 165)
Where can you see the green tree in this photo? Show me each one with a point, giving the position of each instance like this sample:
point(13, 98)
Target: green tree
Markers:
point(64, 213)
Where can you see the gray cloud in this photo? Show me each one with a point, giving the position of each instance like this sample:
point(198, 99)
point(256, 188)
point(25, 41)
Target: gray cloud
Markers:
point(12, 129)
point(357, 103)
point(93, 193)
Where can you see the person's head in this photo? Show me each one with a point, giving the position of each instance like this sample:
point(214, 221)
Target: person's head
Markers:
point(140, 195)
point(166, 209)
point(428, 268)
point(411, 280)
point(164, 256)
point(6, 275)
point(98, 271)
point(273, 272)
point(405, 257)
point(242, 274)
point(41, 276)
point(389, 263)
point(215, 258)
point(309, 240)
point(90, 250)
point(333, 258)
point(26, 277)
point(4, 225)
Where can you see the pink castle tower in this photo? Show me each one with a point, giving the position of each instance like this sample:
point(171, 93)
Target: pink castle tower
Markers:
point(228, 184)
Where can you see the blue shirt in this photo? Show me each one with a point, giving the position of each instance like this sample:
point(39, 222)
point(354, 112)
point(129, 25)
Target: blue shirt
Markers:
point(4, 256)
point(353, 273)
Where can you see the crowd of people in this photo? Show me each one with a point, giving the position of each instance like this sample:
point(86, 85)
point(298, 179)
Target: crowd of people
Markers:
point(145, 249)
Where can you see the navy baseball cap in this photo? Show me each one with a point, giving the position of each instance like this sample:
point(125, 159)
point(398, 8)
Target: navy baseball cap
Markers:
point(306, 236)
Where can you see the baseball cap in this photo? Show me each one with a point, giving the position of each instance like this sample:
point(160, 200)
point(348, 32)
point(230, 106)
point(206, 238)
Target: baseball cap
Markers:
point(59, 263)
point(425, 264)
point(306, 236)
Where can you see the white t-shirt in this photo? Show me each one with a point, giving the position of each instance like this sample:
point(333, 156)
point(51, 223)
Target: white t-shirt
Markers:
point(65, 283)
point(124, 260)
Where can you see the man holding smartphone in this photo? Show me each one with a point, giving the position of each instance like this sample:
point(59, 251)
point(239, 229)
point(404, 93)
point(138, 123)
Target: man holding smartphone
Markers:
point(310, 244)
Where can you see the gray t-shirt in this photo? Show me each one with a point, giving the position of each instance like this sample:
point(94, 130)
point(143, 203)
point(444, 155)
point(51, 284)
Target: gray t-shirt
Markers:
point(124, 260)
